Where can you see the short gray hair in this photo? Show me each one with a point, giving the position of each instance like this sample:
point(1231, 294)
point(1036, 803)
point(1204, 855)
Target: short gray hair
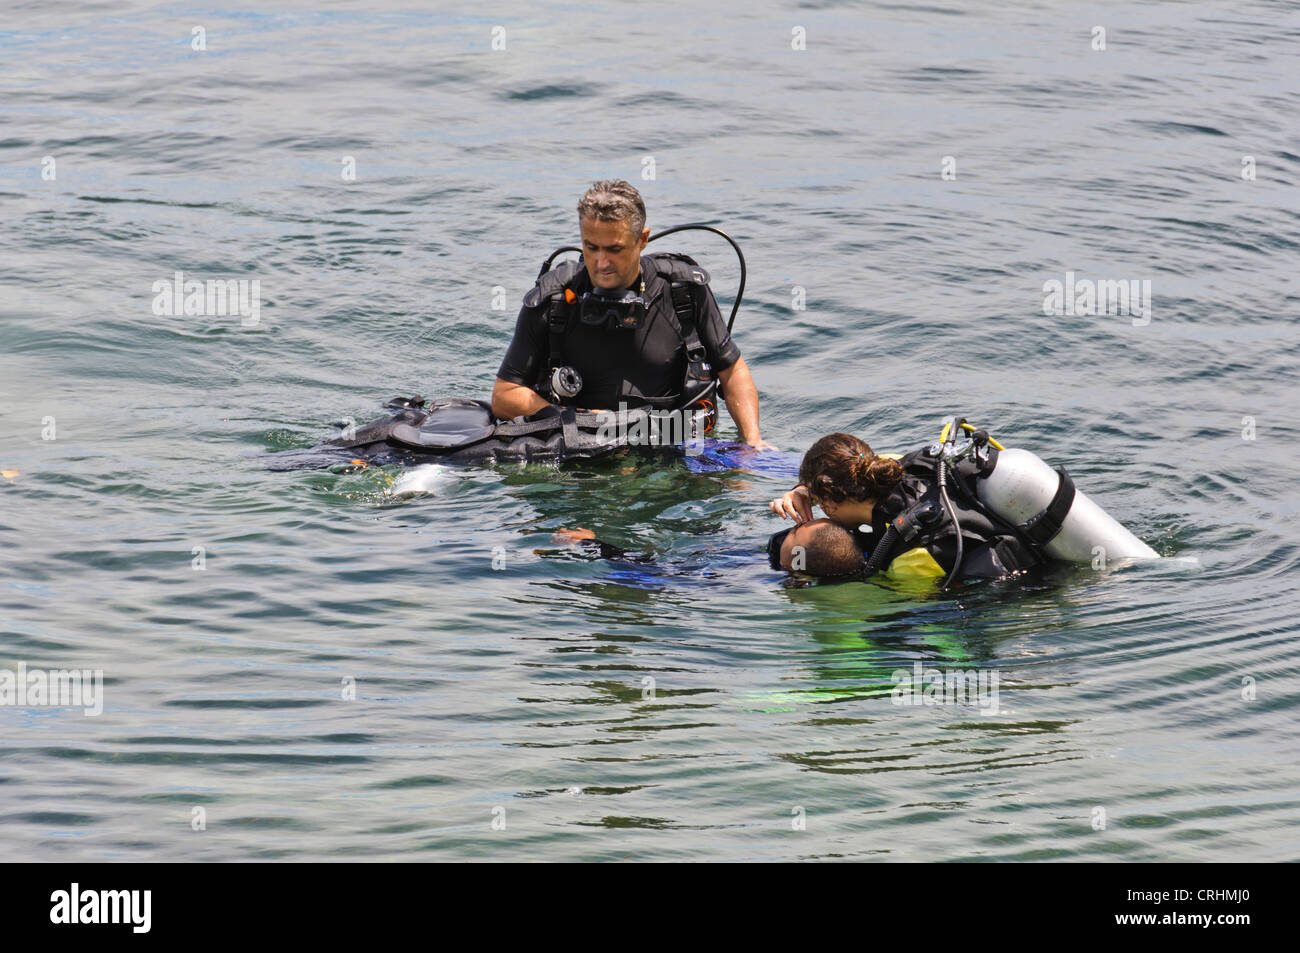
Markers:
point(613, 200)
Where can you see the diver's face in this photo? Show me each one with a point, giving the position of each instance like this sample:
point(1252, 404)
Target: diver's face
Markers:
point(612, 252)
point(848, 513)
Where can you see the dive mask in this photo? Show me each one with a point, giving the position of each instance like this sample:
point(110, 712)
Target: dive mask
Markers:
point(774, 543)
point(626, 309)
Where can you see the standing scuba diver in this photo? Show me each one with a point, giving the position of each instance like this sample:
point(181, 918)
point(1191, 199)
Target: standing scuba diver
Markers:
point(619, 327)
point(612, 350)
point(964, 507)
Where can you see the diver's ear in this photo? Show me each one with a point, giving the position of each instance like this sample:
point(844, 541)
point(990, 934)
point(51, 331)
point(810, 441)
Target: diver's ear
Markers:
point(645, 237)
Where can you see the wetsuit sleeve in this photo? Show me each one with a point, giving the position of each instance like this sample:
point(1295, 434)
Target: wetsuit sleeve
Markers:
point(722, 350)
point(527, 352)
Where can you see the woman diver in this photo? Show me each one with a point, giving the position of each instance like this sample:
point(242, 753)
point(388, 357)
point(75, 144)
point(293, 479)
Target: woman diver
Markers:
point(965, 507)
point(842, 475)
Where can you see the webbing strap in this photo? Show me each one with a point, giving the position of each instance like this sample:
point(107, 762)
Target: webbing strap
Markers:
point(570, 427)
point(557, 320)
point(582, 419)
point(684, 308)
point(524, 427)
point(1042, 526)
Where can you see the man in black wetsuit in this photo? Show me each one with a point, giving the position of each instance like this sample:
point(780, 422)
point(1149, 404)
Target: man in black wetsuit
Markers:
point(642, 362)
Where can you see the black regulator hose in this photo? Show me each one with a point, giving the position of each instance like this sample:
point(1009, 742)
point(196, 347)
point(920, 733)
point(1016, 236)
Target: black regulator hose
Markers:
point(701, 227)
point(882, 554)
point(546, 265)
point(940, 469)
point(692, 227)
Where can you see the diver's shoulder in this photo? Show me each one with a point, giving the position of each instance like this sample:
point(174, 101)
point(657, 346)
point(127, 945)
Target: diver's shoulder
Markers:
point(564, 275)
point(674, 266)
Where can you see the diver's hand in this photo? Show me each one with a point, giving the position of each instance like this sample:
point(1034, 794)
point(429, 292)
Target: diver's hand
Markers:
point(793, 504)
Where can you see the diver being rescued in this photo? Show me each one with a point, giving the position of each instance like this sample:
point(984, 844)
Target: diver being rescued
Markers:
point(962, 508)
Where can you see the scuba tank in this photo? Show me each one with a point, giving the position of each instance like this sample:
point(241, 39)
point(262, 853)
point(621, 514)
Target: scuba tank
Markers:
point(1040, 504)
point(972, 504)
point(1020, 486)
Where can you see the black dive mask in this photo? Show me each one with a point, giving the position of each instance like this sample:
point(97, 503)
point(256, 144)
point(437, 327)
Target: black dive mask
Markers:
point(774, 547)
point(624, 309)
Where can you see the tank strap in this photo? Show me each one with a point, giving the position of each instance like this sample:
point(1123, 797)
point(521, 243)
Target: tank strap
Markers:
point(1043, 525)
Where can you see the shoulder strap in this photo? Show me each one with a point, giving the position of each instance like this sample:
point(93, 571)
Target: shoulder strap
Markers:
point(918, 519)
point(677, 267)
point(553, 282)
point(685, 280)
point(684, 307)
point(552, 290)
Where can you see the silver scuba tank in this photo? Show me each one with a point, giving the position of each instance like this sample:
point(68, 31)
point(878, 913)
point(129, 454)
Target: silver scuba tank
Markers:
point(1021, 486)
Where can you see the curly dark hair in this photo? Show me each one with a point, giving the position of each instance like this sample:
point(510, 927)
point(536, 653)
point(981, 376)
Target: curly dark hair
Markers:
point(839, 466)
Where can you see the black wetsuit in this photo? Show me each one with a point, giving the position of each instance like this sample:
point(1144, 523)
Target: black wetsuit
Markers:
point(616, 364)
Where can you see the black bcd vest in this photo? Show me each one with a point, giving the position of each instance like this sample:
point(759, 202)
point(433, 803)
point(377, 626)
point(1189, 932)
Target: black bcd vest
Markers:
point(686, 281)
point(991, 547)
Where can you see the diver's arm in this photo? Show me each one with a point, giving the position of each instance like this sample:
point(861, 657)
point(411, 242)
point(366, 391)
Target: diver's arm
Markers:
point(515, 400)
point(586, 539)
point(742, 402)
point(523, 362)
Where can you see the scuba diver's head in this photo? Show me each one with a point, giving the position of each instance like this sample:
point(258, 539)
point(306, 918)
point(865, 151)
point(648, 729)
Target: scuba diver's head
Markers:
point(818, 548)
point(845, 476)
point(611, 216)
